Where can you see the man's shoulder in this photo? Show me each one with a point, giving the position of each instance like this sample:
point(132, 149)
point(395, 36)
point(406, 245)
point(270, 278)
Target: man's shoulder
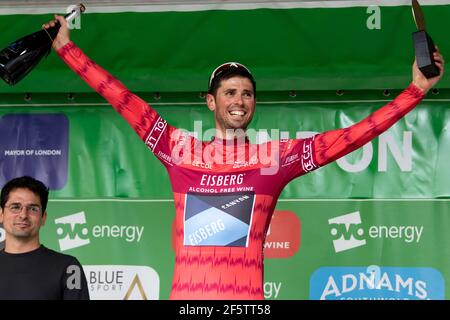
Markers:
point(58, 256)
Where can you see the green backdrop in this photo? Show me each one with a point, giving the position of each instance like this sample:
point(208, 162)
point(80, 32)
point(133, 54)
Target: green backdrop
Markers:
point(384, 207)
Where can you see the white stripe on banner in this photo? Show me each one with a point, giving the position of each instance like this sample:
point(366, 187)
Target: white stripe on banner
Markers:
point(47, 7)
point(93, 104)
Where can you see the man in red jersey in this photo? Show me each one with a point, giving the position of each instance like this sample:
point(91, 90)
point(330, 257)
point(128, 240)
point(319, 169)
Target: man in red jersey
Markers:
point(225, 190)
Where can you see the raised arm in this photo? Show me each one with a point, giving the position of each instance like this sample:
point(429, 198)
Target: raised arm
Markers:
point(150, 127)
point(334, 144)
point(300, 156)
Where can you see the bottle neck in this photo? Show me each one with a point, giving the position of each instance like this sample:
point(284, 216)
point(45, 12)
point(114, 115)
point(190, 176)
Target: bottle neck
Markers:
point(53, 31)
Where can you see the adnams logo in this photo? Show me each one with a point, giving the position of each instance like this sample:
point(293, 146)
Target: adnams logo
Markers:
point(348, 232)
point(73, 231)
point(377, 283)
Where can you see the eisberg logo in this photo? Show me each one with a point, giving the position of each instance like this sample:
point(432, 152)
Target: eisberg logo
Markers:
point(376, 283)
point(113, 282)
point(347, 231)
point(73, 231)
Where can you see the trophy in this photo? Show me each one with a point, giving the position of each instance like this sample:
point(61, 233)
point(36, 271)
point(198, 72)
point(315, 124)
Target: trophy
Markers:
point(423, 44)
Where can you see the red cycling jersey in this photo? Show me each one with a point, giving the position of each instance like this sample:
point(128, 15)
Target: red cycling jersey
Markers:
point(225, 191)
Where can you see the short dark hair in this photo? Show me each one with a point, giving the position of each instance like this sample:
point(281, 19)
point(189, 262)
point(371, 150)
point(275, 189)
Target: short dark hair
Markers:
point(25, 182)
point(226, 71)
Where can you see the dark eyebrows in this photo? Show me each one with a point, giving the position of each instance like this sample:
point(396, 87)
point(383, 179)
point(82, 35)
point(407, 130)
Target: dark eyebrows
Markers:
point(31, 204)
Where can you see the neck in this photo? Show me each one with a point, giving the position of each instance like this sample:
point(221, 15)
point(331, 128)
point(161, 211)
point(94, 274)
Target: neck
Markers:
point(14, 245)
point(230, 134)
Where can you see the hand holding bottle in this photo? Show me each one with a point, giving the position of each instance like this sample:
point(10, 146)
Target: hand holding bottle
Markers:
point(22, 55)
point(63, 36)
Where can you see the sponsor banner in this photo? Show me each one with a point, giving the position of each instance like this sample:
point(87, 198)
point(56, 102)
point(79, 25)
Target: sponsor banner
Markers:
point(403, 162)
point(112, 211)
point(122, 282)
point(283, 236)
point(348, 232)
point(73, 231)
point(396, 233)
point(377, 283)
point(35, 145)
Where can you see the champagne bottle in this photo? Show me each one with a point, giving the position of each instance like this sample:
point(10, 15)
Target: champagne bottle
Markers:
point(21, 56)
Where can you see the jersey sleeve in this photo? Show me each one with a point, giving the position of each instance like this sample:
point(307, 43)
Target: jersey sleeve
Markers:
point(145, 121)
point(74, 283)
point(332, 145)
point(300, 156)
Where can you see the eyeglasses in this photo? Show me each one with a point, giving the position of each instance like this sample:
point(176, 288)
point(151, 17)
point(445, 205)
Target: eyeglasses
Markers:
point(17, 208)
point(225, 67)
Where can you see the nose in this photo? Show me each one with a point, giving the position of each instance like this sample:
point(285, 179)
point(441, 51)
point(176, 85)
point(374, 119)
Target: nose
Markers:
point(238, 100)
point(23, 212)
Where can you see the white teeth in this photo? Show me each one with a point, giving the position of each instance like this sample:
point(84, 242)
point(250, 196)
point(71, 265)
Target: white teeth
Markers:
point(237, 113)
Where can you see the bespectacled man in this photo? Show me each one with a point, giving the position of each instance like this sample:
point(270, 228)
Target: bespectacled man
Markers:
point(29, 270)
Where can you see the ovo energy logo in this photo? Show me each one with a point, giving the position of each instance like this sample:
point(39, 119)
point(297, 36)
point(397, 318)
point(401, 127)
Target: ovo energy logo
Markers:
point(72, 231)
point(347, 231)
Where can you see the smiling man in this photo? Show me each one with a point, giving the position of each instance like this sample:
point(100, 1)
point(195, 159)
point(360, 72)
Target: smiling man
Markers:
point(224, 189)
point(29, 270)
point(231, 96)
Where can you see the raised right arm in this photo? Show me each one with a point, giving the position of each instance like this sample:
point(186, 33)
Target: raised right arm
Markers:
point(131, 107)
point(146, 122)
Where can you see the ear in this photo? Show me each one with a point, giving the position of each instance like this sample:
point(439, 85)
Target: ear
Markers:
point(1, 216)
point(211, 102)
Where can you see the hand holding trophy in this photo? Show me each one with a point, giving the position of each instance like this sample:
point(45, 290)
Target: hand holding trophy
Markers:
point(423, 45)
